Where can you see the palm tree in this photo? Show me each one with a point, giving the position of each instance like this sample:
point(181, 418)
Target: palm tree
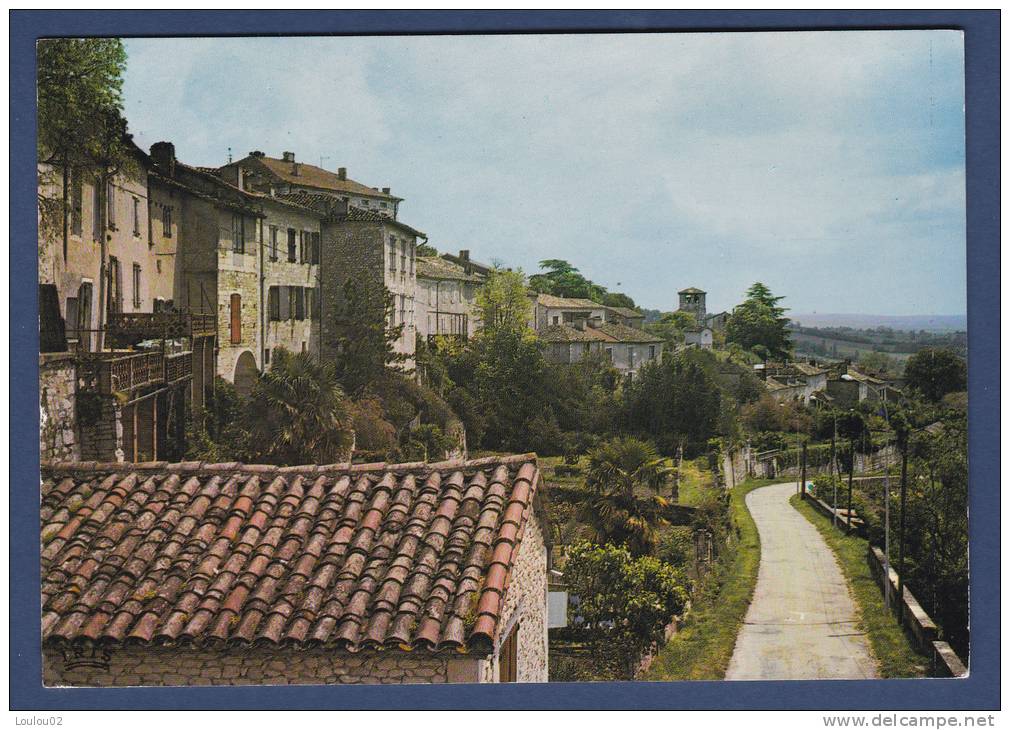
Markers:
point(297, 413)
point(618, 512)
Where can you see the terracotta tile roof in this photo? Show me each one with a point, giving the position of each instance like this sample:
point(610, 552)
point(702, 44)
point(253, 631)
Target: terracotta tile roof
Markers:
point(623, 333)
point(370, 216)
point(627, 313)
point(313, 177)
point(565, 333)
point(406, 556)
point(549, 300)
point(436, 267)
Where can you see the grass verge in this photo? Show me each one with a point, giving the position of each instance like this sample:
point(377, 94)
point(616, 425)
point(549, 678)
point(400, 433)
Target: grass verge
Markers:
point(704, 645)
point(895, 655)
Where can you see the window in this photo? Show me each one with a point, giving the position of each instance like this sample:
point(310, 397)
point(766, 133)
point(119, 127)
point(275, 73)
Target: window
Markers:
point(610, 354)
point(292, 298)
point(412, 257)
point(299, 302)
point(110, 199)
point(652, 352)
point(284, 307)
point(554, 319)
point(274, 304)
point(83, 322)
point(236, 319)
point(96, 208)
point(403, 256)
point(310, 303)
point(76, 198)
point(273, 243)
point(266, 356)
point(392, 254)
point(70, 320)
point(237, 233)
point(136, 216)
point(166, 221)
point(292, 246)
point(136, 286)
point(314, 248)
point(115, 303)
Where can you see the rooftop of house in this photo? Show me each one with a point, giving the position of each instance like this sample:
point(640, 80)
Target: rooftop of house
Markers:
point(549, 300)
point(691, 290)
point(396, 556)
point(607, 332)
point(337, 210)
point(464, 260)
point(302, 174)
point(436, 267)
point(627, 313)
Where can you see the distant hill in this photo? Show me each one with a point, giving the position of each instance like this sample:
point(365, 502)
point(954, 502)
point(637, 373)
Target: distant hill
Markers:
point(914, 322)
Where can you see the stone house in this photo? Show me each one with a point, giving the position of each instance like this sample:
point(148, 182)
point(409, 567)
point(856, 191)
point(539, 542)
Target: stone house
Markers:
point(698, 336)
point(285, 175)
point(626, 348)
point(230, 574)
point(360, 236)
point(547, 310)
point(218, 260)
point(131, 366)
point(627, 317)
point(794, 381)
point(848, 387)
point(446, 299)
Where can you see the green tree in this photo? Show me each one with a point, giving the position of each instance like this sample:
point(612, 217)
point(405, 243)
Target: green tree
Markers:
point(502, 302)
point(297, 413)
point(934, 373)
point(80, 122)
point(362, 337)
point(625, 603)
point(759, 325)
point(675, 400)
point(879, 362)
point(564, 280)
point(619, 472)
point(671, 326)
point(617, 299)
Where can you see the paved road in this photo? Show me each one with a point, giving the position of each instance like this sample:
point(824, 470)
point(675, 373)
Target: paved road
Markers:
point(801, 623)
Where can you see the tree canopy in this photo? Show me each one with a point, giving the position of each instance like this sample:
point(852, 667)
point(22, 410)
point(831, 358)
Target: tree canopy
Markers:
point(562, 279)
point(759, 324)
point(936, 372)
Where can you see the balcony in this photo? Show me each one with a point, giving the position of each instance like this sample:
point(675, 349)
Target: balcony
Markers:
point(120, 371)
point(128, 328)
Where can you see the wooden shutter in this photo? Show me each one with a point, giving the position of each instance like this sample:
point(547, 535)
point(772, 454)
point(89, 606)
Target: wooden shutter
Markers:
point(236, 319)
point(508, 657)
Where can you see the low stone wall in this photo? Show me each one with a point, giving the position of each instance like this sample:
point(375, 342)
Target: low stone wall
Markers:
point(944, 662)
point(132, 666)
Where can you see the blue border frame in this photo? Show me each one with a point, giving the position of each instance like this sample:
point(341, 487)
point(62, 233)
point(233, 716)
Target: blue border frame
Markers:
point(979, 691)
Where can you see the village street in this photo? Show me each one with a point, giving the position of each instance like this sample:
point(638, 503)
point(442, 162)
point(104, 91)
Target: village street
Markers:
point(801, 623)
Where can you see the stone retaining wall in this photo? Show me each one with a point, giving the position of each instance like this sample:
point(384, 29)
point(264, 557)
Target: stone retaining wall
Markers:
point(58, 436)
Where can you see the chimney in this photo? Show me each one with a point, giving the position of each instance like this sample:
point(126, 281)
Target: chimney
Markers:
point(580, 323)
point(295, 167)
point(257, 153)
point(594, 322)
point(341, 173)
point(386, 191)
point(163, 154)
point(464, 254)
point(289, 156)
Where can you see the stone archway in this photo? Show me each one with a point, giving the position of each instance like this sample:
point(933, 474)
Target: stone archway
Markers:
point(245, 373)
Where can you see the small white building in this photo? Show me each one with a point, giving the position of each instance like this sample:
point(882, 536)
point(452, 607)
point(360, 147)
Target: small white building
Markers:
point(446, 303)
point(700, 336)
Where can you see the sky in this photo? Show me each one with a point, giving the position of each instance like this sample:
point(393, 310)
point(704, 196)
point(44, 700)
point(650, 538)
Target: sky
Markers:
point(828, 165)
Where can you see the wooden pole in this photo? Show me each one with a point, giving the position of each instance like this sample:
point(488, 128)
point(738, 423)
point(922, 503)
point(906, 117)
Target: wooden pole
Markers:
point(852, 468)
point(803, 472)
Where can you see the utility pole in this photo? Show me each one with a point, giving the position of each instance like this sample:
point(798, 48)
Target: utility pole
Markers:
point(803, 472)
point(901, 521)
point(834, 474)
point(852, 468)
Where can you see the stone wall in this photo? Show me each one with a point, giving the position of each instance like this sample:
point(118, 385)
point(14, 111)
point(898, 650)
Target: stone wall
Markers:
point(100, 424)
point(527, 594)
point(131, 666)
point(58, 437)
